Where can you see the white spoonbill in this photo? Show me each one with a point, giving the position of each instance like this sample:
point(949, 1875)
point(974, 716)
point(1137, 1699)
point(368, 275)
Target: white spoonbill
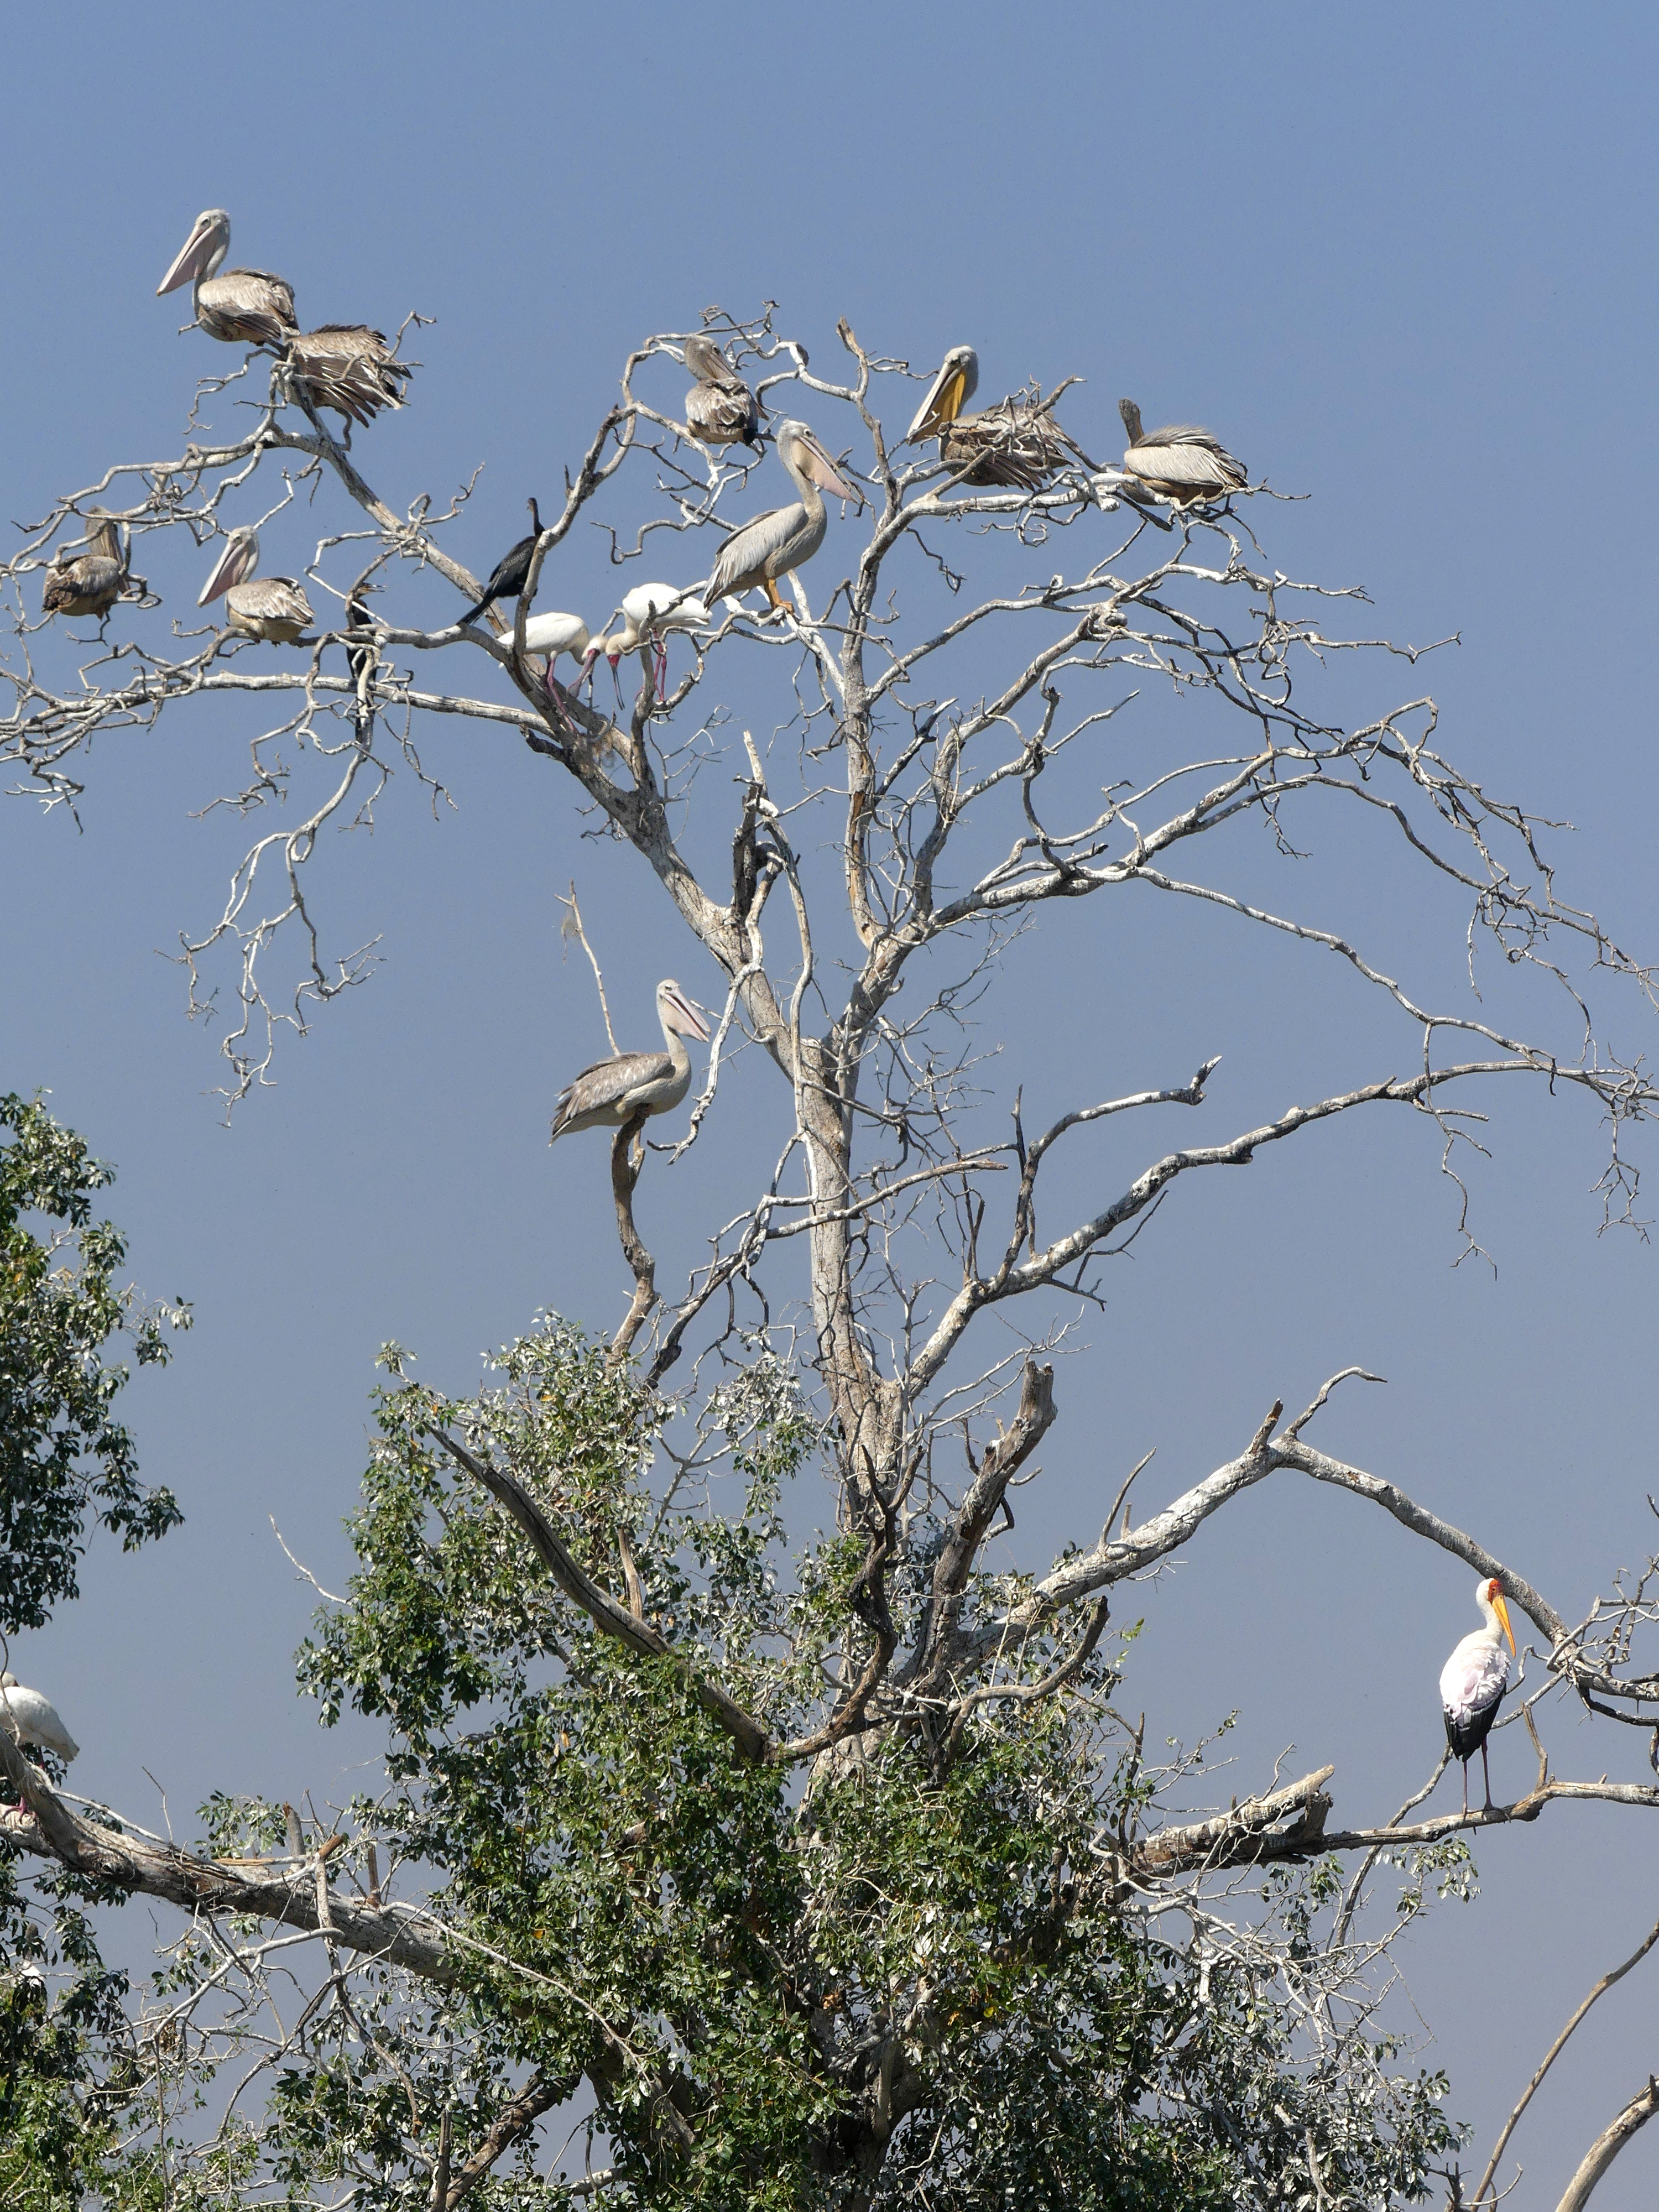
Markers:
point(36, 1719)
point(1472, 1682)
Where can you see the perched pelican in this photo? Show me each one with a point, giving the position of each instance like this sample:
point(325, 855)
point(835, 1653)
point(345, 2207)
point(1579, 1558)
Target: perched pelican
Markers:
point(273, 609)
point(719, 406)
point(1015, 443)
point(650, 613)
point(612, 1091)
point(510, 574)
point(1472, 1682)
point(245, 306)
point(346, 367)
point(36, 1719)
point(784, 538)
point(1180, 463)
point(91, 583)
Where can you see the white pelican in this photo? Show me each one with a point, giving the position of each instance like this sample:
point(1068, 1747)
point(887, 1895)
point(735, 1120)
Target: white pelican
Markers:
point(512, 571)
point(1472, 1682)
point(346, 367)
point(651, 614)
point(1015, 443)
point(784, 538)
point(719, 406)
point(91, 583)
point(273, 609)
point(245, 306)
point(1180, 462)
point(36, 1719)
point(612, 1091)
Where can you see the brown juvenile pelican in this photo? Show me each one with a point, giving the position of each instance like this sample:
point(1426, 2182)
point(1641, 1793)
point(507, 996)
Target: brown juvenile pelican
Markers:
point(612, 1091)
point(273, 609)
point(91, 583)
point(1180, 462)
point(784, 538)
point(1016, 443)
point(245, 306)
point(719, 406)
point(346, 367)
point(512, 571)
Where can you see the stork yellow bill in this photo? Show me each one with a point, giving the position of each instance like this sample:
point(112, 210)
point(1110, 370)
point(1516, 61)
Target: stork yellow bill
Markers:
point(1472, 1682)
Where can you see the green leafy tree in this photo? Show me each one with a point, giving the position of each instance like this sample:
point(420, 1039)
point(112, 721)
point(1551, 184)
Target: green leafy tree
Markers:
point(712, 1864)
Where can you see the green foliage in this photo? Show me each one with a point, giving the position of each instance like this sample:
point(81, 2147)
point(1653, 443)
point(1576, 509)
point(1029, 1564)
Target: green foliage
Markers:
point(63, 1456)
point(890, 1980)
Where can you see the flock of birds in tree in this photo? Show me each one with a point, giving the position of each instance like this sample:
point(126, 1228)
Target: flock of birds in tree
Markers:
point(1018, 444)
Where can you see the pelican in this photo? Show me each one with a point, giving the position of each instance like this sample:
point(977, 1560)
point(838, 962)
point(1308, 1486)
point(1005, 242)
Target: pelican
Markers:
point(1015, 443)
point(784, 538)
point(719, 406)
point(612, 1091)
point(1180, 462)
point(346, 367)
point(273, 609)
point(245, 306)
point(91, 583)
point(511, 573)
point(1472, 1682)
point(36, 1719)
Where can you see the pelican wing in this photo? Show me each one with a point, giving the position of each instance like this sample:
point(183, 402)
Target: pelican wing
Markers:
point(752, 553)
point(88, 586)
point(273, 608)
point(1181, 453)
point(245, 306)
point(349, 367)
point(1014, 444)
point(723, 414)
point(599, 1094)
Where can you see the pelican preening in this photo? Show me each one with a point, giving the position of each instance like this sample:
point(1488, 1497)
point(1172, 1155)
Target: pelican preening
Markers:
point(784, 538)
point(719, 406)
point(1472, 1682)
point(273, 609)
point(612, 1091)
point(1017, 443)
point(1180, 462)
point(91, 582)
point(36, 1719)
point(346, 367)
point(512, 571)
point(245, 306)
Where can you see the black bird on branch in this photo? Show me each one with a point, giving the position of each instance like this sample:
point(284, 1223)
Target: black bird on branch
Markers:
point(508, 576)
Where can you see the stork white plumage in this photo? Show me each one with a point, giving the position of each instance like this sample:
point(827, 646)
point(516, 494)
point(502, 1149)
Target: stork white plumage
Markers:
point(36, 1719)
point(1472, 1682)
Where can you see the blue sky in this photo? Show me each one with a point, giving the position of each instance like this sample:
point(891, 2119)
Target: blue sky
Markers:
point(1402, 261)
